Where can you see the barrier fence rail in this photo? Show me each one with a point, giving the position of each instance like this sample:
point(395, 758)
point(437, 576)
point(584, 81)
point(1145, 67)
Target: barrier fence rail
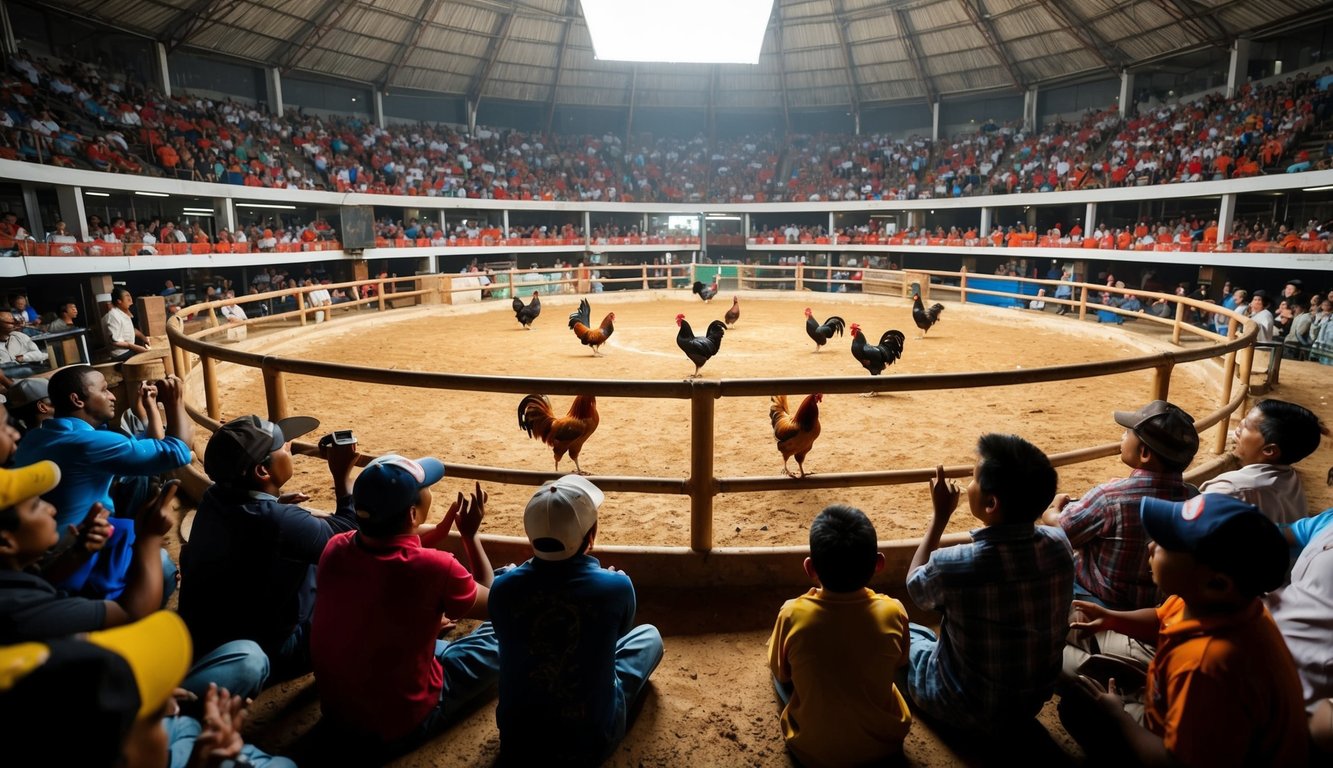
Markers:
point(701, 484)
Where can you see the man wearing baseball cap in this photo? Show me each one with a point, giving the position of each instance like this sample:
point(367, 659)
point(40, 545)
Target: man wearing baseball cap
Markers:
point(385, 591)
point(1157, 444)
point(29, 402)
point(248, 570)
point(572, 662)
point(1222, 689)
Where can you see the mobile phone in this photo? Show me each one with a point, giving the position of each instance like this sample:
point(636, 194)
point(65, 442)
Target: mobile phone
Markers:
point(338, 437)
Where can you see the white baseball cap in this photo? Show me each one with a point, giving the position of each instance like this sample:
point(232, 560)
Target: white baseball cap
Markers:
point(559, 515)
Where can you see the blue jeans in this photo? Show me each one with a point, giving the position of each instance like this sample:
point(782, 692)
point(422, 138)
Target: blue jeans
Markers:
point(182, 732)
point(169, 571)
point(471, 667)
point(239, 666)
point(923, 679)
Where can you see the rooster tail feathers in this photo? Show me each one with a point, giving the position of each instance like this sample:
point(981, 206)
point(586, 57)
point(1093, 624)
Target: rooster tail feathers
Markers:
point(837, 324)
point(698, 286)
point(893, 340)
point(534, 412)
point(582, 315)
point(777, 408)
point(518, 304)
point(715, 331)
point(935, 311)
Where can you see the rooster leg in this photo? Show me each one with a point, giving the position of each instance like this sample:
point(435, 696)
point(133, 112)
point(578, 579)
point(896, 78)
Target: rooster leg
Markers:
point(577, 469)
point(785, 470)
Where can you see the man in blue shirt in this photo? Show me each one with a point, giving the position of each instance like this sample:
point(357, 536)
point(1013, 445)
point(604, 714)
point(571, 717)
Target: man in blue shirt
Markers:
point(90, 456)
point(571, 660)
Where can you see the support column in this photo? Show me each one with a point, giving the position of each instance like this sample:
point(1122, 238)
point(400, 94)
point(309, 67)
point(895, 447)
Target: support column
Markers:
point(273, 85)
point(1225, 213)
point(163, 71)
point(8, 45)
point(935, 120)
point(224, 214)
point(377, 103)
point(1089, 219)
point(72, 211)
point(987, 214)
point(1030, 109)
point(32, 210)
point(1239, 66)
point(1128, 106)
point(471, 116)
point(505, 218)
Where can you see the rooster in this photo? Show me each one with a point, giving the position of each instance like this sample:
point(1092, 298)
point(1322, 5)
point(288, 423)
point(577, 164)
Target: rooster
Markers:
point(795, 434)
point(699, 349)
point(875, 358)
point(591, 337)
point(706, 292)
point(923, 317)
point(565, 434)
point(734, 313)
point(822, 333)
point(525, 315)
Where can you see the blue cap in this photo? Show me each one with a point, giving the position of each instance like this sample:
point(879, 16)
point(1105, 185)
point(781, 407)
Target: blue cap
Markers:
point(1224, 533)
point(390, 484)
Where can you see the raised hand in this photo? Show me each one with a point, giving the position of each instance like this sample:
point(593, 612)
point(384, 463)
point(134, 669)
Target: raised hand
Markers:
point(92, 534)
point(471, 513)
point(943, 494)
point(154, 517)
point(220, 732)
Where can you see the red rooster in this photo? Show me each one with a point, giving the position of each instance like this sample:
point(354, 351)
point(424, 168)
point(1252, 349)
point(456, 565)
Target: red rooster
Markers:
point(581, 322)
point(821, 333)
point(734, 313)
point(923, 317)
point(706, 292)
point(565, 434)
point(699, 349)
point(876, 357)
point(795, 434)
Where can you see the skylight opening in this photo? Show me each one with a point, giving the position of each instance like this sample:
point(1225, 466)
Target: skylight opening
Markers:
point(678, 31)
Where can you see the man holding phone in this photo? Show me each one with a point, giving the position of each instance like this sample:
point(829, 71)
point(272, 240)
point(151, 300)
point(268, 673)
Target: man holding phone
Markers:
point(90, 457)
point(248, 570)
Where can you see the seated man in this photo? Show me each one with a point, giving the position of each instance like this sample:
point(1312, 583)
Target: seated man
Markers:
point(19, 356)
point(1272, 436)
point(117, 324)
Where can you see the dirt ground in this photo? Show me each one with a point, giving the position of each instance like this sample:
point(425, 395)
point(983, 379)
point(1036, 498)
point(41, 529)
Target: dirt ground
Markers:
point(711, 702)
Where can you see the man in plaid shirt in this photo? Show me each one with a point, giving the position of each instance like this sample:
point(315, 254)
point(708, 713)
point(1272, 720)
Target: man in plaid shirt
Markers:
point(1003, 598)
point(1159, 442)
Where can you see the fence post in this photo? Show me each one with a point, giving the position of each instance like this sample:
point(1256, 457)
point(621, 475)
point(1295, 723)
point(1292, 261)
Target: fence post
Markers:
point(962, 285)
point(1228, 379)
point(1246, 371)
point(275, 391)
point(1083, 303)
point(1161, 381)
point(702, 484)
point(301, 305)
point(800, 276)
point(645, 276)
point(380, 291)
point(211, 403)
point(1180, 317)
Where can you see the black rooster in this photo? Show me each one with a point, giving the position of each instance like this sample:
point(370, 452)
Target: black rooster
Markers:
point(875, 358)
point(699, 348)
point(525, 315)
point(822, 333)
point(706, 292)
point(924, 318)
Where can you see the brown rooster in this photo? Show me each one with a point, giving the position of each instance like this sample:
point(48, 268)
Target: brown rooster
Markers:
point(581, 322)
point(795, 434)
point(565, 434)
point(734, 313)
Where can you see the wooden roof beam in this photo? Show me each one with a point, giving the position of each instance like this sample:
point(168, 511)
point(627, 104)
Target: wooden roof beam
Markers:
point(319, 25)
point(1082, 31)
point(427, 10)
point(980, 18)
point(571, 9)
point(853, 82)
point(499, 36)
point(905, 27)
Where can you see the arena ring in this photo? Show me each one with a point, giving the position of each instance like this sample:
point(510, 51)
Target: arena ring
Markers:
point(196, 354)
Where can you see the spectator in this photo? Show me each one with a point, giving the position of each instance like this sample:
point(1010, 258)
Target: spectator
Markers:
point(572, 661)
point(1262, 317)
point(1003, 598)
point(1103, 526)
point(1222, 689)
point(1274, 435)
point(385, 588)
point(19, 356)
point(248, 570)
point(90, 459)
point(67, 313)
point(835, 651)
point(1301, 608)
point(118, 325)
point(29, 403)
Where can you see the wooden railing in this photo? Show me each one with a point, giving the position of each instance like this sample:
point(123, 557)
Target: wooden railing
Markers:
point(701, 484)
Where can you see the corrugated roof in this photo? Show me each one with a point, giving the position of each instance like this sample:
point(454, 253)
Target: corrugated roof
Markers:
point(818, 53)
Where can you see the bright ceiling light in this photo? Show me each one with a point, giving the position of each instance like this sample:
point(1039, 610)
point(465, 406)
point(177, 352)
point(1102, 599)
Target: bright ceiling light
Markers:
point(153, 194)
point(267, 205)
point(683, 31)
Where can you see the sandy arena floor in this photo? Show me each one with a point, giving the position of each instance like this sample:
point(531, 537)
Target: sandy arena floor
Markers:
point(711, 702)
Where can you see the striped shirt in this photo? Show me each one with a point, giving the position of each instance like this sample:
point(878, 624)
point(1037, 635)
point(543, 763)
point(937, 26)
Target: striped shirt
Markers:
point(1105, 529)
point(1004, 601)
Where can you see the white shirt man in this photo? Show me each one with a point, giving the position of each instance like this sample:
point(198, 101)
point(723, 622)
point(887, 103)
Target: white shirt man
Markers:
point(17, 348)
point(121, 335)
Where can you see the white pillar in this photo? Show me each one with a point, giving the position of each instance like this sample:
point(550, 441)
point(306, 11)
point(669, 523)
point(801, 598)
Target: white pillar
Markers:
point(163, 71)
point(32, 210)
point(935, 121)
point(986, 215)
point(1226, 212)
point(1239, 67)
point(377, 100)
point(505, 219)
point(224, 214)
point(1030, 109)
point(471, 116)
point(1127, 104)
point(273, 83)
point(72, 211)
